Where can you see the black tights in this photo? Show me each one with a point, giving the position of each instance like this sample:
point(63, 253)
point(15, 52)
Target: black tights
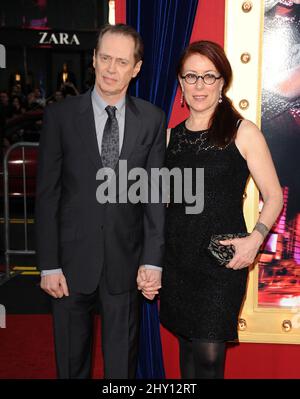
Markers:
point(200, 359)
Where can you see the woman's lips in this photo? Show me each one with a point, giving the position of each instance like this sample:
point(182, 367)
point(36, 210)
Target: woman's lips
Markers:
point(199, 98)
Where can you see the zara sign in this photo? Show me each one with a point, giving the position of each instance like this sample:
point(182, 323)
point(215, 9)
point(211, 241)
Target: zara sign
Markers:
point(58, 38)
point(46, 38)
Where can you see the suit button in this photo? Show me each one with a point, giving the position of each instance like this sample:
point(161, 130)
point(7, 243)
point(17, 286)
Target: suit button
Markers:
point(102, 227)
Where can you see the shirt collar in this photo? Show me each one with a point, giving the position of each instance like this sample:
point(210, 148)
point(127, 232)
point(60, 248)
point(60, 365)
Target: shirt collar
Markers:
point(100, 104)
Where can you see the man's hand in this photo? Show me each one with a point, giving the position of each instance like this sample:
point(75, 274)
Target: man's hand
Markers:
point(149, 282)
point(55, 285)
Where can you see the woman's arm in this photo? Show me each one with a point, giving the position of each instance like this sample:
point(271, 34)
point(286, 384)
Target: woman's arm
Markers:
point(253, 147)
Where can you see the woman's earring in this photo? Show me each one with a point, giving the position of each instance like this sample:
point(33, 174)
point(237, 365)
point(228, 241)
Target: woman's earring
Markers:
point(182, 100)
point(220, 98)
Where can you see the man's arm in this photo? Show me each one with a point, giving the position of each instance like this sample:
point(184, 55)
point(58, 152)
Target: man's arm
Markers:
point(149, 274)
point(48, 193)
point(47, 203)
point(154, 213)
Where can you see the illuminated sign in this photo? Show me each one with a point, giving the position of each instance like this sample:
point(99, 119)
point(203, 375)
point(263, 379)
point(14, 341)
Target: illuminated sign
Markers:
point(58, 38)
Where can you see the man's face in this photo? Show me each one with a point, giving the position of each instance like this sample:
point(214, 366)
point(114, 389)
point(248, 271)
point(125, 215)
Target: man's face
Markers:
point(4, 99)
point(115, 66)
point(58, 96)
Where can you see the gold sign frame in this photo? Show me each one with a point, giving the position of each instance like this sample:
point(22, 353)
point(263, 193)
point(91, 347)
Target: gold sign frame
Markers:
point(244, 26)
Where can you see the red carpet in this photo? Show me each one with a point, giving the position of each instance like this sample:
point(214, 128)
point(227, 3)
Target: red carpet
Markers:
point(243, 361)
point(27, 349)
point(27, 352)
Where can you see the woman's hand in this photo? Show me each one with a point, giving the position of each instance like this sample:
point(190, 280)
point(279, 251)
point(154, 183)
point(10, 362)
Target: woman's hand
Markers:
point(148, 282)
point(246, 250)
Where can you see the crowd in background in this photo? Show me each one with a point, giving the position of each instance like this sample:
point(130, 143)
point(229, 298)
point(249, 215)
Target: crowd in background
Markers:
point(19, 104)
point(16, 102)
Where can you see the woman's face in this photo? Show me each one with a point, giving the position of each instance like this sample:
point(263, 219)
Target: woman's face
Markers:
point(201, 97)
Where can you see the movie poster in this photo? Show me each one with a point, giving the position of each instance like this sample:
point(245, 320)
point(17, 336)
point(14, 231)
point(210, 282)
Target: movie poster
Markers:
point(279, 265)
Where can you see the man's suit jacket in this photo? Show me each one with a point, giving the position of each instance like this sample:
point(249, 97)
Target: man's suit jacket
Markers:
point(73, 230)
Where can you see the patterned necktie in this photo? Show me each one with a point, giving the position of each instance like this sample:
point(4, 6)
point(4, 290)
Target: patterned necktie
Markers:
point(110, 139)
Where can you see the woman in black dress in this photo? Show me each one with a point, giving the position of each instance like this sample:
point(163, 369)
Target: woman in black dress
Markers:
point(201, 300)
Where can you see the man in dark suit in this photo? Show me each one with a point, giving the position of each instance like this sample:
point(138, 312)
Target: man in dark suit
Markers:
point(90, 252)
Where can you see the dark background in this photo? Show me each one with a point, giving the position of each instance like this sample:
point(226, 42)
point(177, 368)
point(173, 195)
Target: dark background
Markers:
point(20, 24)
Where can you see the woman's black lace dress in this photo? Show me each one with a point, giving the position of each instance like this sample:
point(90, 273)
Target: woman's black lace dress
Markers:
point(199, 298)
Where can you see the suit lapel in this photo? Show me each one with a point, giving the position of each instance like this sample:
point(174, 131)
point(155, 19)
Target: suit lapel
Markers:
point(132, 128)
point(87, 129)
